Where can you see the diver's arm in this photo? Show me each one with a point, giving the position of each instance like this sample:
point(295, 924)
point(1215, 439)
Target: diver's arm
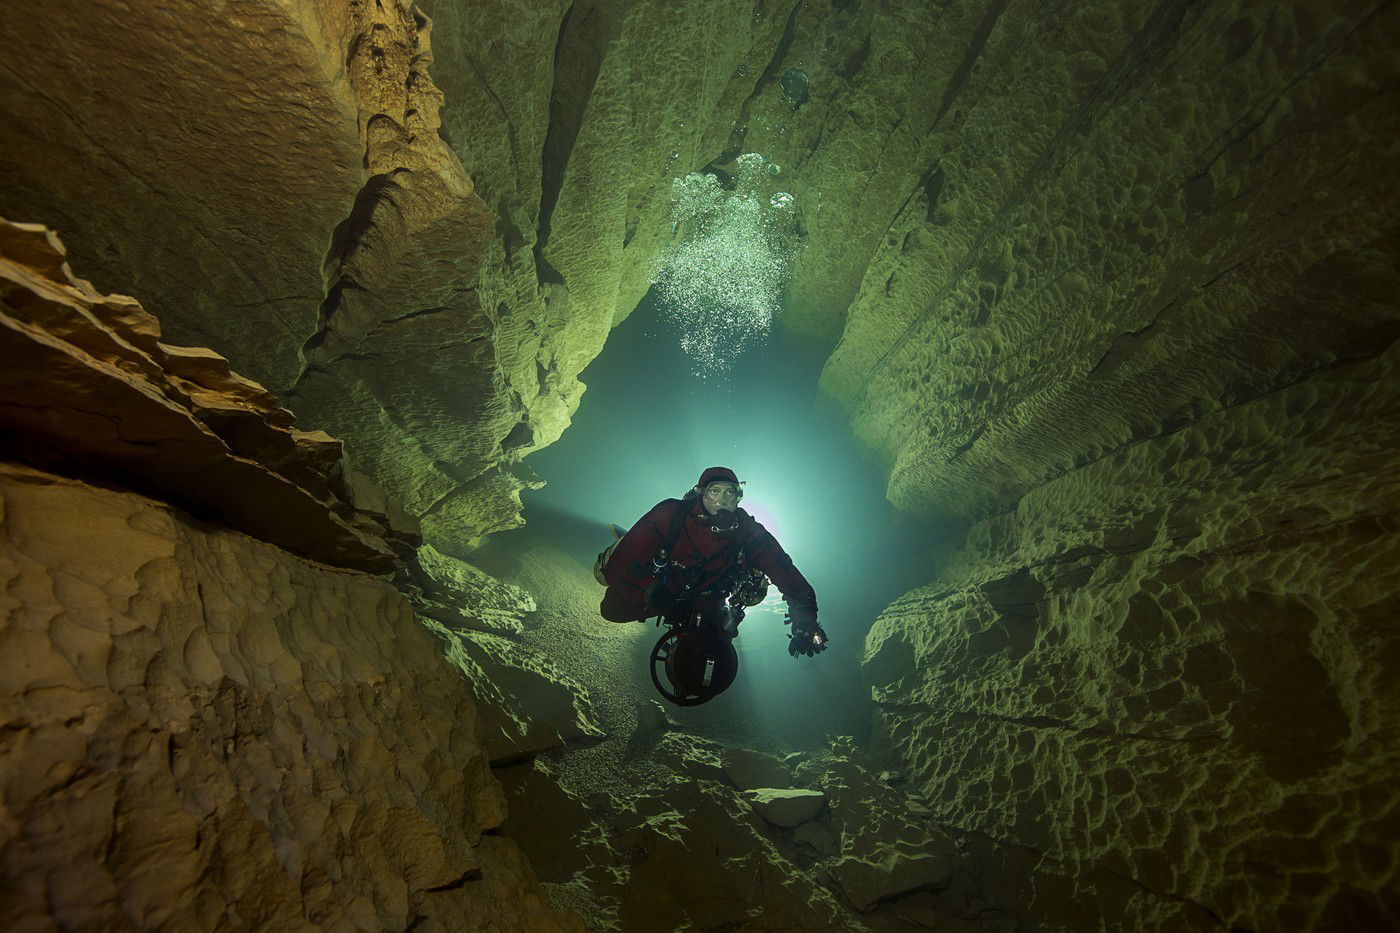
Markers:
point(630, 563)
point(767, 555)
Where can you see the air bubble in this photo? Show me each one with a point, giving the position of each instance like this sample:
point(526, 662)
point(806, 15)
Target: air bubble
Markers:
point(720, 286)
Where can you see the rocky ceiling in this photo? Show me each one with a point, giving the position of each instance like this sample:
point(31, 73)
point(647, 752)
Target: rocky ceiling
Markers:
point(1114, 283)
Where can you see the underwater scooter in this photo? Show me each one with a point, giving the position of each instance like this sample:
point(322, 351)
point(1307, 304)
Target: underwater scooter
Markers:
point(696, 653)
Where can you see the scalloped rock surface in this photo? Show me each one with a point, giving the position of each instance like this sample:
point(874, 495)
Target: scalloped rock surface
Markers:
point(288, 202)
point(1140, 330)
point(203, 731)
point(291, 200)
point(669, 843)
point(1137, 220)
point(1170, 668)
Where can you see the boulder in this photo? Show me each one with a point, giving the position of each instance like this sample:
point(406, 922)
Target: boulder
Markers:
point(817, 835)
point(787, 807)
point(651, 716)
point(748, 769)
point(887, 848)
point(527, 704)
point(887, 870)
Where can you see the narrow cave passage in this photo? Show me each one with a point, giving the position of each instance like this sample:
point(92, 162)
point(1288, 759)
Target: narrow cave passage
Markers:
point(647, 809)
point(1109, 290)
point(647, 426)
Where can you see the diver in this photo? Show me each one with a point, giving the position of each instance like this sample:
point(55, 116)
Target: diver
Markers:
point(696, 563)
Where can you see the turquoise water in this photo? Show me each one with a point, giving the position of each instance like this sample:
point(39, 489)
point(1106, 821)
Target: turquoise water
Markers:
point(720, 284)
point(646, 428)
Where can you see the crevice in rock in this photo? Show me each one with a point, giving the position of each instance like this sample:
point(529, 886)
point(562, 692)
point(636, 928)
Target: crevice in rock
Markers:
point(735, 145)
point(512, 135)
point(421, 312)
point(975, 45)
point(456, 883)
point(1050, 724)
point(586, 33)
point(346, 240)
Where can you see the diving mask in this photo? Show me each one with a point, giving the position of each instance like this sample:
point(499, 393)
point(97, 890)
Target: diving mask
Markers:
point(722, 493)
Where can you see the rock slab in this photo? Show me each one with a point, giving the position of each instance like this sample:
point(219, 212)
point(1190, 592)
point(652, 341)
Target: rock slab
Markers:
point(786, 806)
point(748, 769)
point(88, 388)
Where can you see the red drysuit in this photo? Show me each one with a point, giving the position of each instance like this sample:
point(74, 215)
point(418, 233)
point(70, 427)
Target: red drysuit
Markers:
point(706, 557)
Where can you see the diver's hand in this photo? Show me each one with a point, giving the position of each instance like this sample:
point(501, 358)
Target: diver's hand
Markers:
point(807, 637)
point(808, 643)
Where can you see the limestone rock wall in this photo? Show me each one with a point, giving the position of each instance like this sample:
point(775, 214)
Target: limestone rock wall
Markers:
point(1138, 216)
point(1169, 678)
point(270, 180)
point(527, 704)
point(88, 388)
point(1140, 331)
point(574, 119)
point(421, 244)
point(204, 732)
point(199, 161)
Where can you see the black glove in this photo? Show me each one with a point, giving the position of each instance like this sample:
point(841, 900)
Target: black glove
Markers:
point(807, 636)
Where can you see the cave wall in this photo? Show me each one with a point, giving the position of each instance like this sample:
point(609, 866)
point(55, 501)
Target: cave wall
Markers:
point(1115, 284)
point(218, 711)
point(203, 731)
point(416, 223)
point(1138, 219)
point(270, 180)
point(1139, 331)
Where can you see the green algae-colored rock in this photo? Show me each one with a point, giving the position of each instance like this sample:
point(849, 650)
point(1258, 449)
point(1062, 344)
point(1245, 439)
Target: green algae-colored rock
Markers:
point(887, 872)
point(748, 769)
point(786, 806)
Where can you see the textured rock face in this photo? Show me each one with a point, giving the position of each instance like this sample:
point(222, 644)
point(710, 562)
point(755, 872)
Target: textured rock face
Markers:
point(198, 162)
point(1121, 288)
point(680, 848)
point(942, 162)
point(369, 290)
point(527, 703)
point(203, 731)
point(1139, 218)
point(1142, 332)
point(662, 829)
point(1164, 671)
point(887, 848)
point(275, 188)
point(787, 807)
point(748, 769)
point(295, 207)
point(87, 387)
